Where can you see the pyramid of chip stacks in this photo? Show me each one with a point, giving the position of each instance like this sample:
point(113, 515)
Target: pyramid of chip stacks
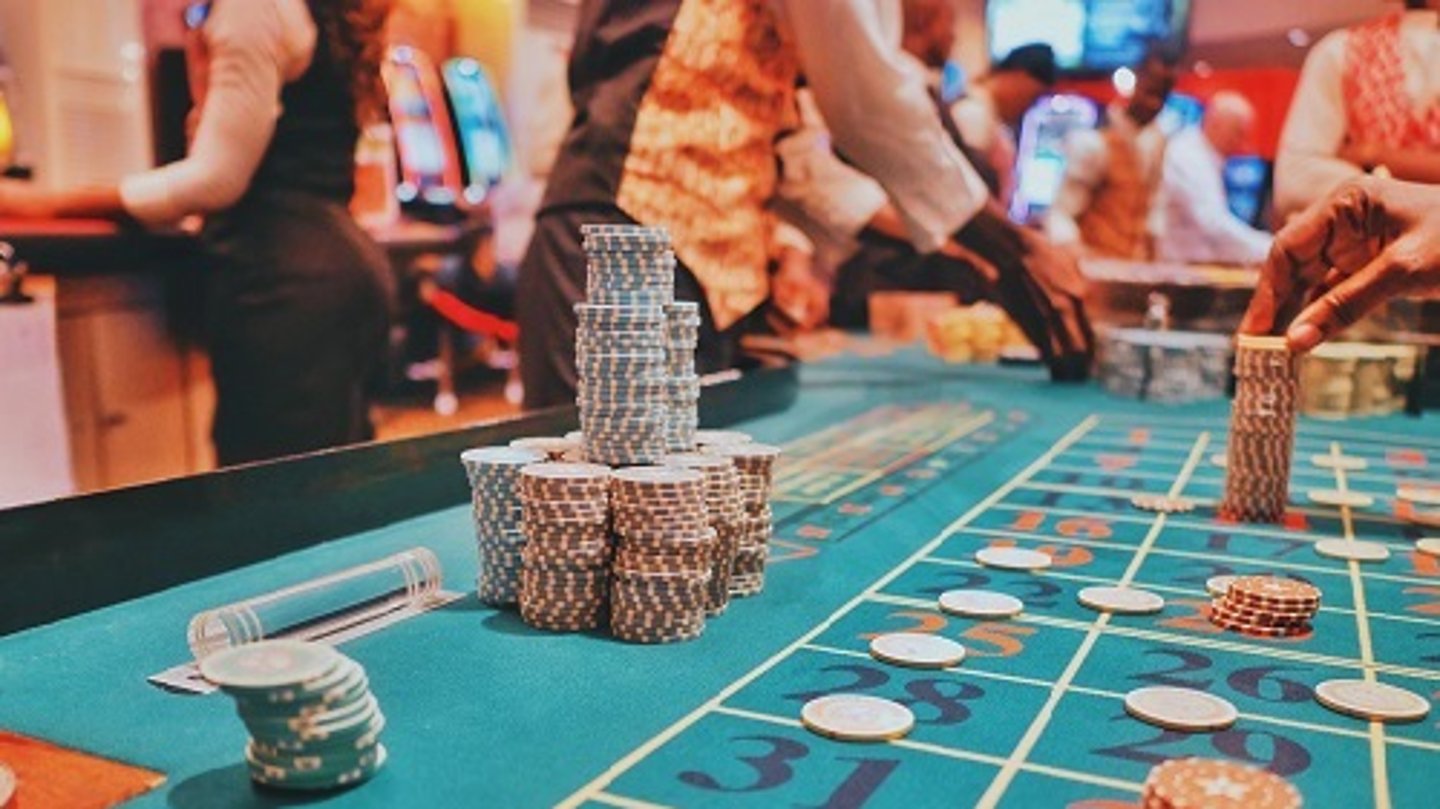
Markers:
point(634, 349)
point(313, 723)
point(1262, 430)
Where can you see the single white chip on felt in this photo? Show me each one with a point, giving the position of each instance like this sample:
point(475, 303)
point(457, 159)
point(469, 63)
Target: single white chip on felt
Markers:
point(1013, 558)
point(917, 650)
point(980, 604)
point(1180, 708)
point(1428, 495)
point(1375, 701)
point(1430, 546)
point(1352, 550)
point(1121, 600)
point(1219, 460)
point(1219, 585)
point(1349, 463)
point(1335, 497)
point(857, 718)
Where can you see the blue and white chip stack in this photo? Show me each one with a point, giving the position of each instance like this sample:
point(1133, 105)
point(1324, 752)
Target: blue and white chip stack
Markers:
point(494, 474)
point(621, 343)
point(682, 333)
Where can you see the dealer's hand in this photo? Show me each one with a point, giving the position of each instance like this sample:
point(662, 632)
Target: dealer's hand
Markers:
point(798, 293)
point(1369, 241)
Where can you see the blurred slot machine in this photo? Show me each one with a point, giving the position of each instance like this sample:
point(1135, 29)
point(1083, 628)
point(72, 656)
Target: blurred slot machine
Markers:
point(1247, 187)
point(1040, 156)
point(1180, 111)
point(430, 182)
point(479, 125)
point(7, 133)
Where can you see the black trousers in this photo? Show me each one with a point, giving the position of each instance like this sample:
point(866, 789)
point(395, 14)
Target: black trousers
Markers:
point(298, 308)
point(552, 281)
point(880, 264)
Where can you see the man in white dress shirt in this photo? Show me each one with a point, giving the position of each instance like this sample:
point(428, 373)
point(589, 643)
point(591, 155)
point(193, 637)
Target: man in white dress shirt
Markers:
point(1199, 225)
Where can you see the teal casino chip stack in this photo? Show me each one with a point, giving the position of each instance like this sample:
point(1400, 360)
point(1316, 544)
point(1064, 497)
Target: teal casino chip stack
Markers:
point(313, 723)
point(623, 389)
point(494, 474)
point(682, 333)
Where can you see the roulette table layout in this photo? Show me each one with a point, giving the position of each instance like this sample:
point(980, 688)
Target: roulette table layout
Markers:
point(896, 470)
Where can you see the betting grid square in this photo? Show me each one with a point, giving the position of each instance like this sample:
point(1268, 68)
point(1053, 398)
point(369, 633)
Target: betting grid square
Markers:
point(1091, 434)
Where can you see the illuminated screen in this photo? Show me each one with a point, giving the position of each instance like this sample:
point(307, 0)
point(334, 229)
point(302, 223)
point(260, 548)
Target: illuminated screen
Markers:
point(421, 146)
point(479, 119)
point(1087, 35)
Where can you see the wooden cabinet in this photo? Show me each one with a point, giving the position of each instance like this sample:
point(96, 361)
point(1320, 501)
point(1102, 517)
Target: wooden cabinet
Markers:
point(138, 398)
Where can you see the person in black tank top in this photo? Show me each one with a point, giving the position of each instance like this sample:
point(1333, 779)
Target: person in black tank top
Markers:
point(298, 294)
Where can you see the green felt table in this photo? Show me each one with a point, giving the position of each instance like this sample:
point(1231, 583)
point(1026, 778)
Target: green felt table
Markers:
point(897, 469)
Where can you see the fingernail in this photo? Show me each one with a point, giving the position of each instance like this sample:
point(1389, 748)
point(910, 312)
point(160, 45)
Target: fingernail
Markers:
point(1303, 336)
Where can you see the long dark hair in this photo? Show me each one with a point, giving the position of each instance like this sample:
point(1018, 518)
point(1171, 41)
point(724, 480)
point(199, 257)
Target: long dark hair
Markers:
point(354, 32)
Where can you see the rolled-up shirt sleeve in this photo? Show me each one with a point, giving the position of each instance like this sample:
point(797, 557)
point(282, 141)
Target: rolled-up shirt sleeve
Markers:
point(881, 116)
point(826, 192)
point(252, 46)
point(1307, 163)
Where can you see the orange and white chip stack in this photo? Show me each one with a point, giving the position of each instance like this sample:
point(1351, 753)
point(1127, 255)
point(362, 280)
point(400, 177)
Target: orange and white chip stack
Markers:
point(1199, 783)
point(1266, 606)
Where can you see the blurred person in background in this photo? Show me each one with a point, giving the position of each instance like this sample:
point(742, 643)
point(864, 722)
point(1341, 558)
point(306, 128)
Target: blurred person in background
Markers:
point(1199, 225)
point(1369, 96)
point(926, 43)
point(994, 106)
point(678, 104)
point(298, 294)
point(1107, 201)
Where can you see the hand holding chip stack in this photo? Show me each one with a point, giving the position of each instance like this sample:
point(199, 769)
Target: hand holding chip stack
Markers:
point(1262, 430)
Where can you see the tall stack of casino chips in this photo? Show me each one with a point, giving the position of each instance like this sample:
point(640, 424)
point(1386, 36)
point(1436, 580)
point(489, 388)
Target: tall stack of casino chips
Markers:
point(565, 582)
point(1262, 430)
point(664, 554)
point(620, 343)
point(724, 512)
point(494, 474)
point(312, 720)
point(682, 334)
point(756, 465)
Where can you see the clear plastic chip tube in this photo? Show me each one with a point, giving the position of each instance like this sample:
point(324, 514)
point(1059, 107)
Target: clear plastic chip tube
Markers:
point(321, 607)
